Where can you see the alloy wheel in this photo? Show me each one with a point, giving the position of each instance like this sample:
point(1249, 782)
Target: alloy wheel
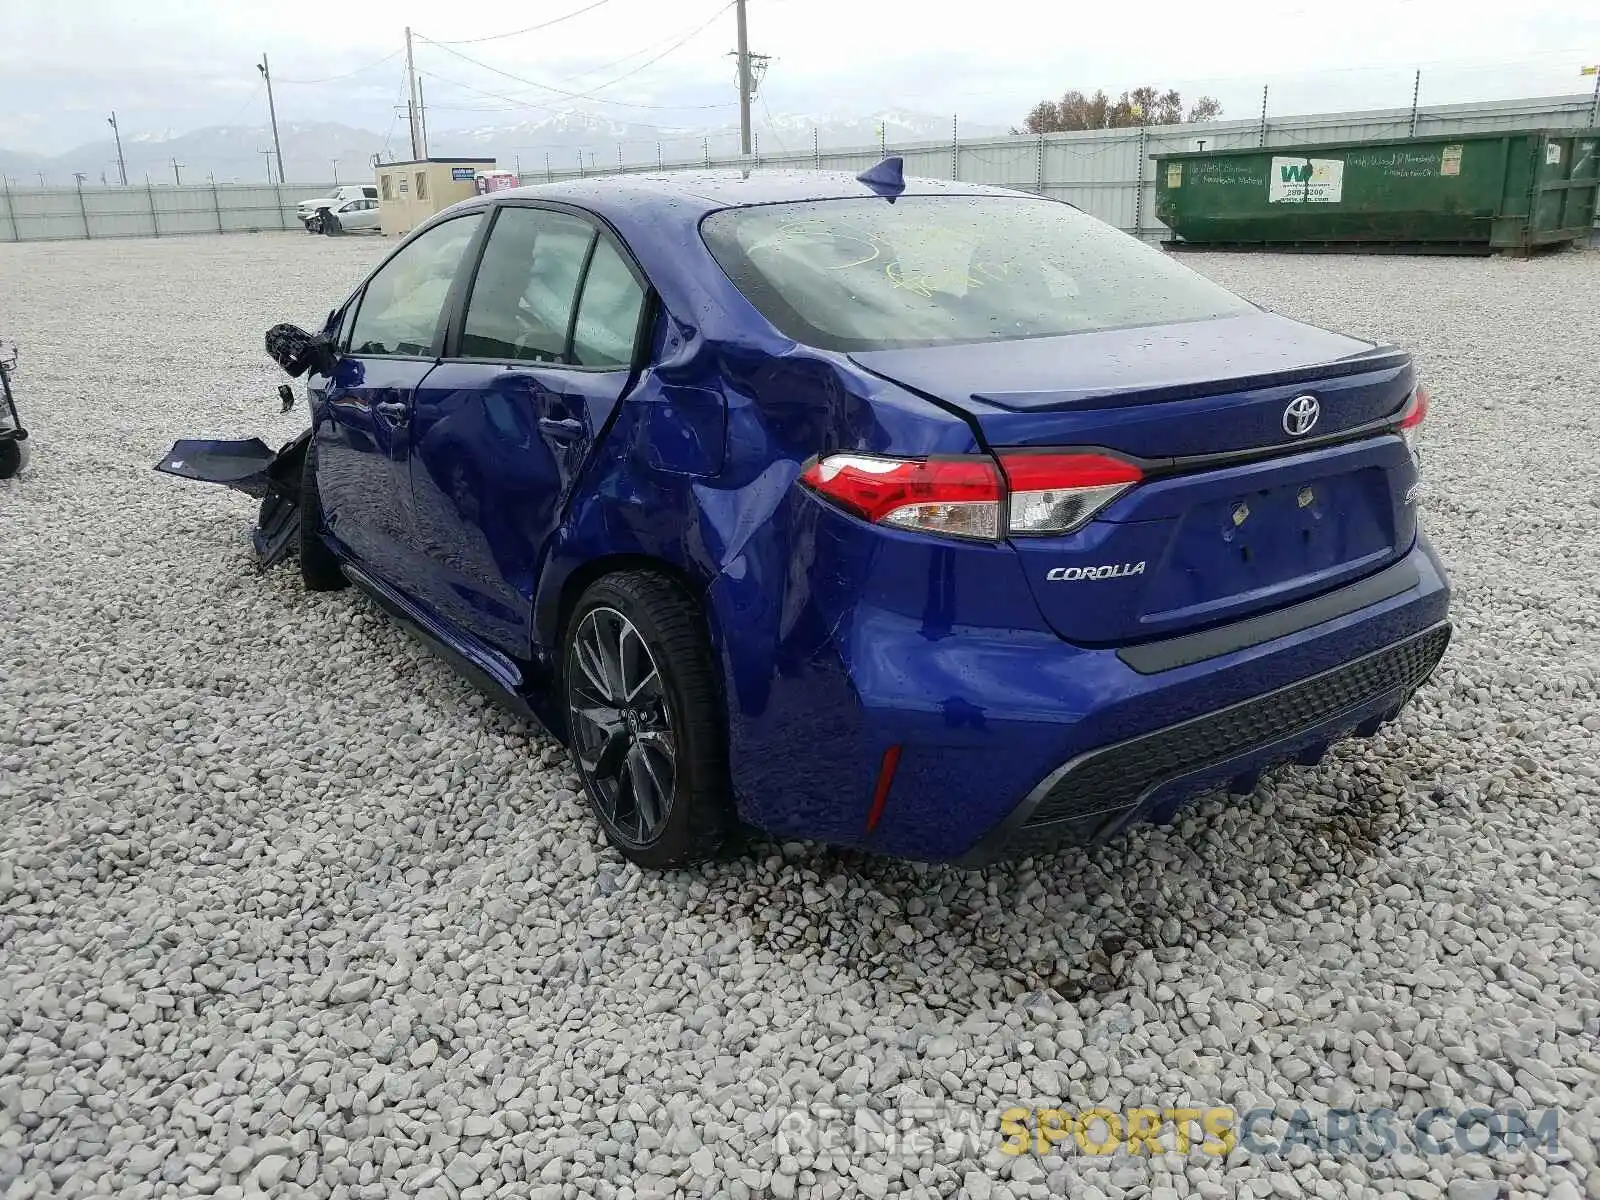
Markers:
point(620, 725)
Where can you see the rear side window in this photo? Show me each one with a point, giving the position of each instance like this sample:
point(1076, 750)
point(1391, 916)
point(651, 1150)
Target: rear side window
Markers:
point(608, 312)
point(522, 300)
point(400, 307)
point(862, 274)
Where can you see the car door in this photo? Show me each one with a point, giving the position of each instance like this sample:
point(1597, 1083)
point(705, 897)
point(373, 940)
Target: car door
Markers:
point(545, 349)
point(362, 414)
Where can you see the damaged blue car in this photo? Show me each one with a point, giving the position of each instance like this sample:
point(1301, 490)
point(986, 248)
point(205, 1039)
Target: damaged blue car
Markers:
point(937, 520)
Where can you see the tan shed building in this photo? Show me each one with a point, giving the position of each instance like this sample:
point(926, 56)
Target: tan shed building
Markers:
point(411, 192)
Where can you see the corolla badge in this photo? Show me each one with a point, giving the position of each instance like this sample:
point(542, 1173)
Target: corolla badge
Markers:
point(1108, 571)
point(1301, 415)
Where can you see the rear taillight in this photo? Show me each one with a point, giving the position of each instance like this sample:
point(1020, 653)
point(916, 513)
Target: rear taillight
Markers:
point(955, 496)
point(1412, 417)
point(1054, 492)
point(1046, 492)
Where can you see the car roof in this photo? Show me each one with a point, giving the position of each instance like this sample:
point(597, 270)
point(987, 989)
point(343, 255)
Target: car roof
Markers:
point(700, 192)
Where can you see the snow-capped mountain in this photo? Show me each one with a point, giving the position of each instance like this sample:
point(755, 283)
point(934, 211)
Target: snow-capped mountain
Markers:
point(236, 153)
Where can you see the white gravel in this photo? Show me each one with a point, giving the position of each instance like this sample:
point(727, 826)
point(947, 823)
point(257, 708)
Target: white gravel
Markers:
point(285, 908)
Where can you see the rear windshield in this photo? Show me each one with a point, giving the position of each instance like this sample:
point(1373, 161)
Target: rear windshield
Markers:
point(939, 270)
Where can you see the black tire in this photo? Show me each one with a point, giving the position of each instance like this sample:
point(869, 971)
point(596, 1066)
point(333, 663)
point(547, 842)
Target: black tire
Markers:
point(319, 566)
point(699, 816)
point(11, 458)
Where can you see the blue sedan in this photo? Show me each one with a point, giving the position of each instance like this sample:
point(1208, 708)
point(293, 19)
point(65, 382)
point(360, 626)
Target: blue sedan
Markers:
point(938, 520)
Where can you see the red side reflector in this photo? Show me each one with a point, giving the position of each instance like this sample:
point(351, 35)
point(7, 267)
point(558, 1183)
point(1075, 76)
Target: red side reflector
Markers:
point(880, 793)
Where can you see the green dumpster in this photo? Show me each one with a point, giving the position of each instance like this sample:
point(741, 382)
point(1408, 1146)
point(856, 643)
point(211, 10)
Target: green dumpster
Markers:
point(1467, 193)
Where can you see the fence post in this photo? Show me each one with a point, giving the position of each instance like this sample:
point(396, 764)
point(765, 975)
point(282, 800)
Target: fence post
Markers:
point(1138, 188)
point(1038, 167)
point(216, 202)
point(150, 194)
point(955, 147)
point(816, 149)
point(84, 209)
point(11, 214)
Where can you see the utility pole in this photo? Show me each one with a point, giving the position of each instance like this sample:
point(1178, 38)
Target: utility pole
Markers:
point(335, 171)
point(744, 80)
point(272, 110)
point(177, 180)
point(1416, 94)
point(122, 163)
point(413, 101)
point(267, 154)
point(422, 118)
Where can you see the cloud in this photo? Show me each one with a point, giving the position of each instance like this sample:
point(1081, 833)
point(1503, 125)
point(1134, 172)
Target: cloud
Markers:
point(183, 64)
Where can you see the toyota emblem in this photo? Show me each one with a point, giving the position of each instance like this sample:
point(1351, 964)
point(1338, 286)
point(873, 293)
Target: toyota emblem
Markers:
point(1300, 417)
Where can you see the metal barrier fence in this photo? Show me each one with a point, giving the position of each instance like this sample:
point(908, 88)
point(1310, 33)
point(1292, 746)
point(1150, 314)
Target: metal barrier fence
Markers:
point(1106, 172)
point(149, 210)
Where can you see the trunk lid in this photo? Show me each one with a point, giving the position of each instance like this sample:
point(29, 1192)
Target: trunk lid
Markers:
point(1238, 512)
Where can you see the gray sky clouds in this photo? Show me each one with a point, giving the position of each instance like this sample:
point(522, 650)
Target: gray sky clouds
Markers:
point(174, 65)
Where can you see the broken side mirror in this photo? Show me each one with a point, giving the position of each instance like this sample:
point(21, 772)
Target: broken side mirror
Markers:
point(297, 351)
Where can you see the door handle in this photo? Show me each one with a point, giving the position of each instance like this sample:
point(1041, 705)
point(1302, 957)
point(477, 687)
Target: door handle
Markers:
point(563, 429)
point(394, 411)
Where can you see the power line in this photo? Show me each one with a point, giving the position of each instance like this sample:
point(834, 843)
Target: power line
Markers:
point(591, 93)
point(598, 67)
point(511, 105)
point(333, 78)
point(495, 37)
point(255, 92)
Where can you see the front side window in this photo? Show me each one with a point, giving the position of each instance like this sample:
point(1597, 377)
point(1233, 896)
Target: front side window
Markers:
point(522, 301)
point(861, 274)
point(400, 308)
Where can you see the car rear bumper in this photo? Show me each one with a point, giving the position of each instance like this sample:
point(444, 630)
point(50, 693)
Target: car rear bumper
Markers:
point(1103, 790)
point(1012, 741)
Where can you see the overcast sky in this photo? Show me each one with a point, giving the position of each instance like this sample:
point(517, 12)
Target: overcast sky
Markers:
point(176, 65)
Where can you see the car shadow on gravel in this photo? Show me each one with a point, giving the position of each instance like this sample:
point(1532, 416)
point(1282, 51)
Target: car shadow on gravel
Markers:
point(1075, 924)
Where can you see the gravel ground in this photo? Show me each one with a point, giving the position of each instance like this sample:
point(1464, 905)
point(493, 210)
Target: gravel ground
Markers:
point(286, 908)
